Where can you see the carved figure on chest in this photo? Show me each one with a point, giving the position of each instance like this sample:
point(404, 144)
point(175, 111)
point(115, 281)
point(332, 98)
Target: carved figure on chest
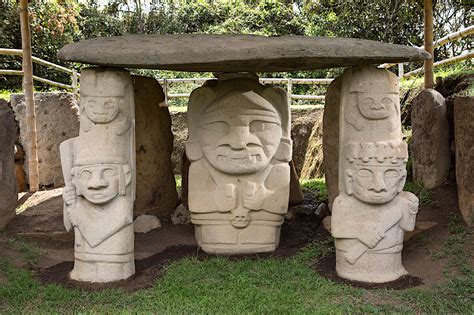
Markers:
point(239, 146)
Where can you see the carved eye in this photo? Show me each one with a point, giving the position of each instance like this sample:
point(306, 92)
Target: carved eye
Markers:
point(109, 104)
point(386, 101)
point(364, 173)
point(258, 125)
point(91, 103)
point(85, 174)
point(368, 101)
point(391, 174)
point(218, 126)
point(109, 172)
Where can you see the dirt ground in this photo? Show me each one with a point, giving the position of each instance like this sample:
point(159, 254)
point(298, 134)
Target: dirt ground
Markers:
point(40, 221)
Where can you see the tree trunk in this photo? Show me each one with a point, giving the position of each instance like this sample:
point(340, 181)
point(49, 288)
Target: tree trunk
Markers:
point(29, 97)
point(428, 39)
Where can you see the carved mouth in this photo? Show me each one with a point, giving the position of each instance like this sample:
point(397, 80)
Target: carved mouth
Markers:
point(240, 158)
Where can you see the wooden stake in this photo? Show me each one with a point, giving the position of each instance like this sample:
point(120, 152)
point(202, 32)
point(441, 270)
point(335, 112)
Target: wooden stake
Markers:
point(27, 65)
point(428, 39)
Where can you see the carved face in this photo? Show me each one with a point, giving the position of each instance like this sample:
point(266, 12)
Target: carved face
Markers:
point(376, 184)
point(377, 106)
point(98, 183)
point(101, 109)
point(240, 144)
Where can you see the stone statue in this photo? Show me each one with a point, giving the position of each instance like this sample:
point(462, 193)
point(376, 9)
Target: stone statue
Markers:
point(371, 212)
point(99, 173)
point(239, 146)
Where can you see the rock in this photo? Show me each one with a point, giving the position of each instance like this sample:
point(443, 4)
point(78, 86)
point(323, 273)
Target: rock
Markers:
point(322, 209)
point(144, 223)
point(56, 121)
point(8, 186)
point(313, 161)
point(430, 156)
point(327, 223)
point(20, 174)
point(463, 133)
point(331, 138)
point(179, 127)
point(296, 194)
point(181, 215)
point(235, 53)
point(99, 173)
point(371, 211)
point(239, 180)
point(156, 187)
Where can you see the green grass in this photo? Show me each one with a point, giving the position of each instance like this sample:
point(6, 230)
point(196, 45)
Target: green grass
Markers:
point(220, 285)
point(318, 185)
point(423, 194)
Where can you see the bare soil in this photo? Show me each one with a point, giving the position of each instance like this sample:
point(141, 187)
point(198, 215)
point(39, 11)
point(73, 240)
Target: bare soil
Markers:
point(41, 223)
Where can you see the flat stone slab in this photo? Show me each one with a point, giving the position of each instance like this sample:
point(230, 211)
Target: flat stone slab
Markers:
point(235, 53)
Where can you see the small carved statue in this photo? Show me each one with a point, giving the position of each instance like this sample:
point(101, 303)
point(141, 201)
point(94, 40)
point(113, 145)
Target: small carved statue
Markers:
point(239, 146)
point(99, 178)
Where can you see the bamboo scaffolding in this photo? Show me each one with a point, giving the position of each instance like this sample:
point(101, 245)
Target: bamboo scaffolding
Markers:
point(27, 65)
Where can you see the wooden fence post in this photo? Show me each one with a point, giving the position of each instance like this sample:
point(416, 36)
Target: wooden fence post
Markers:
point(428, 39)
point(27, 66)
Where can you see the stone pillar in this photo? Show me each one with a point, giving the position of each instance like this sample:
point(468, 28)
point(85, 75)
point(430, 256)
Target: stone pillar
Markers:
point(99, 173)
point(464, 137)
point(371, 212)
point(156, 187)
point(239, 146)
point(8, 188)
point(431, 156)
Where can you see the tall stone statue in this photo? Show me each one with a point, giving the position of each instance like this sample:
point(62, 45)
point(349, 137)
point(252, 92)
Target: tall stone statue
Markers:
point(239, 146)
point(99, 174)
point(371, 212)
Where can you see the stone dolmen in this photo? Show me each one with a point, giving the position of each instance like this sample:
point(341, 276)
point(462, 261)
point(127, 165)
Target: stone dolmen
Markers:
point(239, 146)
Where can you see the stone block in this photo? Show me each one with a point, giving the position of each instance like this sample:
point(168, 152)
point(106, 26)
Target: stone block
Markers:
point(99, 173)
point(371, 213)
point(239, 146)
point(8, 187)
point(156, 187)
point(56, 120)
point(464, 138)
point(313, 157)
point(430, 146)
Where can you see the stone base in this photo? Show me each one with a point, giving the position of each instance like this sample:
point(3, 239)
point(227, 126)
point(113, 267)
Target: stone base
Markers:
point(371, 267)
point(224, 238)
point(88, 271)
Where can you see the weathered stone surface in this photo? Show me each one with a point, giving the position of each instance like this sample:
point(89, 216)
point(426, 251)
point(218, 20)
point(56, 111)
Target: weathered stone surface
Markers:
point(156, 187)
point(296, 193)
point(332, 109)
point(464, 138)
point(8, 189)
point(56, 120)
point(235, 53)
point(181, 215)
point(239, 146)
point(313, 160)
point(99, 173)
point(371, 213)
point(144, 223)
point(431, 157)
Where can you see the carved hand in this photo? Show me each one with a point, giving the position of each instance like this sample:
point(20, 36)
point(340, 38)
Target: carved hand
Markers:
point(69, 194)
point(226, 197)
point(254, 196)
point(370, 238)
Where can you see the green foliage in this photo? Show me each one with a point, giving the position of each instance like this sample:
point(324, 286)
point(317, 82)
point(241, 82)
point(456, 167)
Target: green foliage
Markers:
point(318, 185)
point(423, 194)
point(31, 253)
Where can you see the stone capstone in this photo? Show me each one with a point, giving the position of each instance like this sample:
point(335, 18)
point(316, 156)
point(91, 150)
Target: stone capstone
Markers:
point(156, 187)
point(8, 186)
point(235, 53)
point(430, 139)
point(144, 223)
point(56, 120)
point(464, 138)
point(99, 173)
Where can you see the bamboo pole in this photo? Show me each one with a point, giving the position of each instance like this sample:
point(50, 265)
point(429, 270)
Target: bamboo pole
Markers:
point(428, 43)
point(27, 66)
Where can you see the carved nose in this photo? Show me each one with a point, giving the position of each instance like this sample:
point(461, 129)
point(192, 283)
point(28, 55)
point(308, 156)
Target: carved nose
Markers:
point(378, 184)
point(97, 182)
point(239, 138)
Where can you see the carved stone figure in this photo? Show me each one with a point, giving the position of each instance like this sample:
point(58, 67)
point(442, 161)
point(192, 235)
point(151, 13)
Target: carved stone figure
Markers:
point(239, 147)
point(371, 211)
point(99, 173)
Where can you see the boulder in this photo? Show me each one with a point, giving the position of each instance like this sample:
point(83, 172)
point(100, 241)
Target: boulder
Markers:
point(8, 190)
point(313, 158)
point(430, 146)
point(464, 131)
point(156, 187)
point(144, 223)
point(56, 121)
